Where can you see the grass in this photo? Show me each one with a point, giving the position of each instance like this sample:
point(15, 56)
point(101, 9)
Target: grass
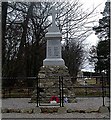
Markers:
point(91, 81)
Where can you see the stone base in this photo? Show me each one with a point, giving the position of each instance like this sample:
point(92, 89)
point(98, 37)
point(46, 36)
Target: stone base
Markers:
point(51, 61)
point(49, 82)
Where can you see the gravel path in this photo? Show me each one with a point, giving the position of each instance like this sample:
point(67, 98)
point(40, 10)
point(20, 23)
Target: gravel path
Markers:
point(16, 103)
point(64, 116)
point(55, 116)
point(82, 104)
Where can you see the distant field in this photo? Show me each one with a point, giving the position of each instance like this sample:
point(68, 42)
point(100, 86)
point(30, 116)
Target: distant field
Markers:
point(91, 81)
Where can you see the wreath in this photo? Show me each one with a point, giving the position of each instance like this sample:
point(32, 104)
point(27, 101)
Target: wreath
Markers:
point(54, 98)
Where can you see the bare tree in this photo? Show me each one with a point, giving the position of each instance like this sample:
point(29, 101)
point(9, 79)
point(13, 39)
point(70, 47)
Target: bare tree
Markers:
point(4, 15)
point(26, 26)
point(74, 24)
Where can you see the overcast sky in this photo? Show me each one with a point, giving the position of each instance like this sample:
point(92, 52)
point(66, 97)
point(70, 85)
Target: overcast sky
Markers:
point(92, 39)
point(91, 4)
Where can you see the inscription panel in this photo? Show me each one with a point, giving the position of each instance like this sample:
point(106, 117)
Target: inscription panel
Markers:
point(56, 51)
point(53, 49)
point(49, 51)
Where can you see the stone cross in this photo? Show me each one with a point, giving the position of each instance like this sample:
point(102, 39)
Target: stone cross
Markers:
point(53, 52)
point(53, 15)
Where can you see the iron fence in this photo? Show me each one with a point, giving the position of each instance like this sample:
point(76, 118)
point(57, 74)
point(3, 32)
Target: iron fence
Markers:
point(81, 91)
point(101, 89)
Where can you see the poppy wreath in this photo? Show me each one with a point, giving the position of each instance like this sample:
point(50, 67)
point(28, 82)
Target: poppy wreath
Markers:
point(54, 98)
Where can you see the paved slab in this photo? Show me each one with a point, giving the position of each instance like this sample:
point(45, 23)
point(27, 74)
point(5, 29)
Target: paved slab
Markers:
point(88, 103)
point(17, 103)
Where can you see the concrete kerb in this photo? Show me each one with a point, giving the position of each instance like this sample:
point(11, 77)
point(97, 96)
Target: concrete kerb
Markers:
point(37, 110)
point(103, 109)
point(62, 110)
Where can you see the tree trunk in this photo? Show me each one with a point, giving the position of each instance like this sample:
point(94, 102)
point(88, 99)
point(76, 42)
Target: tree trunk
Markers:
point(4, 16)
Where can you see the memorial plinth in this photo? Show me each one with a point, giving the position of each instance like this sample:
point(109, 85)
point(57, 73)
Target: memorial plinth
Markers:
point(53, 52)
point(49, 81)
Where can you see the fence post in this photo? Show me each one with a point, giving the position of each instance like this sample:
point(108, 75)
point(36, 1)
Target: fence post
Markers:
point(60, 89)
point(9, 90)
point(103, 89)
point(62, 94)
point(4, 92)
point(85, 90)
point(28, 91)
point(85, 87)
point(37, 92)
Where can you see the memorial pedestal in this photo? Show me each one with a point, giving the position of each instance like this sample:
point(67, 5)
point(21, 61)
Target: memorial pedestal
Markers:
point(49, 81)
point(54, 62)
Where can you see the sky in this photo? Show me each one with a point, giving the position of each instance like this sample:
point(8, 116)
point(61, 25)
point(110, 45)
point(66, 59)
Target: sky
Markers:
point(92, 39)
point(91, 4)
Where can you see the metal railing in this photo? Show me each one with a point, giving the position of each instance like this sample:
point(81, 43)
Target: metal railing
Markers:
point(100, 90)
point(87, 91)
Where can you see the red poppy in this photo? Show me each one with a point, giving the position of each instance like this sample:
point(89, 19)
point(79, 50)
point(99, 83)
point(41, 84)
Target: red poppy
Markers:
point(54, 98)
